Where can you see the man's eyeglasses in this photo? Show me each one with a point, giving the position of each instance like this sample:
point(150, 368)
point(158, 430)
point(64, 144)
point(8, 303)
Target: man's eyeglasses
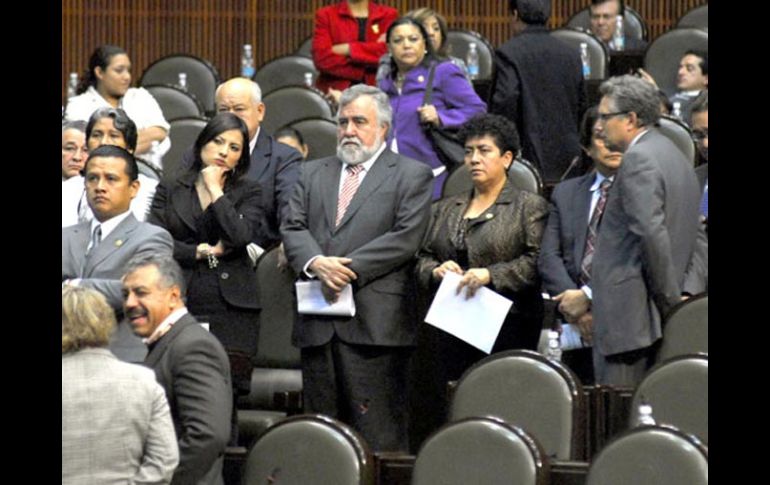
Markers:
point(699, 136)
point(603, 117)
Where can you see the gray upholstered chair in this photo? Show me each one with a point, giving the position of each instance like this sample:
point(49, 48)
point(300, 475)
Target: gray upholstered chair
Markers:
point(633, 23)
point(183, 134)
point(277, 364)
point(680, 134)
point(292, 103)
point(459, 40)
point(662, 57)
point(319, 134)
point(678, 391)
point(482, 450)
point(305, 48)
point(284, 71)
point(202, 77)
point(174, 102)
point(597, 52)
point(148, 169)
point(650, 455)
point(528, 390)
point(697, 18)
point(522, 173)
point(686, 329)
point(309, 449)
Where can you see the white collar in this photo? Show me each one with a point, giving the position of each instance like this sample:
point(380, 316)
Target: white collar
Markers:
point(166, 325)
point(253, 141)
point(368, 164)
point(636, 138)
point(110, 224)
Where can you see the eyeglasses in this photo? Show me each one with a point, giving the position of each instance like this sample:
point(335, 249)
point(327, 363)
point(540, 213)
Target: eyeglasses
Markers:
point(700, 135)
point(603, 117)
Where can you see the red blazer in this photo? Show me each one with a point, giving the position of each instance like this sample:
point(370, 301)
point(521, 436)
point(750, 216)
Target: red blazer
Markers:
point(335, 24)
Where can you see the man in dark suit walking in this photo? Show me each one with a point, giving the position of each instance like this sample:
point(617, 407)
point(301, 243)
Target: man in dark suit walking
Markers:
point(358, 219)
point(189, 363)
point(647, 236)
point(539, 86)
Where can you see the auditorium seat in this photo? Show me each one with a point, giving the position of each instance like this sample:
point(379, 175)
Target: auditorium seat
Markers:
point(599, 56)
point(284, 71)
point(663, 54)
point(686, 329)
point(183, 133)
point(292, 103)
point(202, 77)
point(174, 102)
point(320, 135)
point(459, 42)
point(678, 132)
point(633, 23)
point(522, 173)
point(697, 18)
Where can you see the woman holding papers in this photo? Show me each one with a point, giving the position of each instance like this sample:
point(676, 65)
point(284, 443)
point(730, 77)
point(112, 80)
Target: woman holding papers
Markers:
point(490, 236)
point(213, 212)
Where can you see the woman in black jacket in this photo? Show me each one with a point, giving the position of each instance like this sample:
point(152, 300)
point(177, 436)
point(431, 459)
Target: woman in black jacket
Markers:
point(213, 212)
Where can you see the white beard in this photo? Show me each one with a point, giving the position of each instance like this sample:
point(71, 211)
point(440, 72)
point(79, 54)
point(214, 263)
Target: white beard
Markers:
point(358, 153)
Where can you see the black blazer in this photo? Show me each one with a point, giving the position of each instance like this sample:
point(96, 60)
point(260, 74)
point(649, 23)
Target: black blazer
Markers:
point(192, 367)
point(237, 219)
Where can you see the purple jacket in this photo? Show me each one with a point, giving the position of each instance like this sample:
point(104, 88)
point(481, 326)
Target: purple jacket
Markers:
point(455, 101)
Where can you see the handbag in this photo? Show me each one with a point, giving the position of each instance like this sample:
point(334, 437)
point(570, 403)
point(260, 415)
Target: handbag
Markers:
point(444, 140)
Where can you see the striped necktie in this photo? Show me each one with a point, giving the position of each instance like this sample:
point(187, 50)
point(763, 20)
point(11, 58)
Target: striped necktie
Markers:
point(593, 231)
point(349, 188)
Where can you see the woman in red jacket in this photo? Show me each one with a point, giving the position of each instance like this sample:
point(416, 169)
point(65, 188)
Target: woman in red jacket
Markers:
point(348, 40)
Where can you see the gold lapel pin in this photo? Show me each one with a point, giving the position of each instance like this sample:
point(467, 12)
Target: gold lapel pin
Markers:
point(118, 243)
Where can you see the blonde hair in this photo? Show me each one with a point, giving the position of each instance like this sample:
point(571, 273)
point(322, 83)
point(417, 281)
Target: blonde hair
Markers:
point(87, 320)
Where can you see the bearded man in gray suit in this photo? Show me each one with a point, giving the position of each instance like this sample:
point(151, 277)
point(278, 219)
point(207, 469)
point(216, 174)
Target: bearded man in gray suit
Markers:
point(647, 237)
point(358, 219)
point(94, 253)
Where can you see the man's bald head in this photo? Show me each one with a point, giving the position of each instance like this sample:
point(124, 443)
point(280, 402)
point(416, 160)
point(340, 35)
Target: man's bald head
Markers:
point(243, 98)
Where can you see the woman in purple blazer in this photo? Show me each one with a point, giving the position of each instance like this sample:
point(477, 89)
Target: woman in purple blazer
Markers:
point(453, 103)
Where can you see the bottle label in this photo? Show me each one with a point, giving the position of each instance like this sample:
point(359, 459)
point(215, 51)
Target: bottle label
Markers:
point(473, 70)
point(247, 72)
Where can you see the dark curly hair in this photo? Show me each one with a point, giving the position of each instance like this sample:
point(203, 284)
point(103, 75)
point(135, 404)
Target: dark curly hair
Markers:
point(500, 129)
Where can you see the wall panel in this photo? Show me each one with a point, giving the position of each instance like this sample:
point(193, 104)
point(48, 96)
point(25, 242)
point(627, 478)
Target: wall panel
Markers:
point(217, 29)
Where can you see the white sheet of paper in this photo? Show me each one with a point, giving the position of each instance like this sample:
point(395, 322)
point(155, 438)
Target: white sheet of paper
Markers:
point(476, 321)
point(310, 300)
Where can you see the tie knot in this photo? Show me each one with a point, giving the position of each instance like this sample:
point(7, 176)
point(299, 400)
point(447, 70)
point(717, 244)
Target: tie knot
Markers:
point(354, 169)
point(605, 185)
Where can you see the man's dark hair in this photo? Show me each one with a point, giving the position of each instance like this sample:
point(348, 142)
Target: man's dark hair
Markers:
point(531, 12)
point(114, 151)
point(622, 4)
point(500, 129)
point(704, 59)
point(170, 271)
point(120, 120)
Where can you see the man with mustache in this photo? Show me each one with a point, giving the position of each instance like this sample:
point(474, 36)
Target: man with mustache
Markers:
point(358, 219)
point(189, 363)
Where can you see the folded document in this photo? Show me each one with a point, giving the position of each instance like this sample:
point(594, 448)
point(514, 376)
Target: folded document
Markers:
point(310, 300)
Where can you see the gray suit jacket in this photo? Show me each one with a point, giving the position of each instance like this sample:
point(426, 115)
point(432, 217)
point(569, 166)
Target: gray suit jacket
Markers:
point(192, 366)
point(103, 268)
point(646, 240)
point(381, 232)
point(116, 425)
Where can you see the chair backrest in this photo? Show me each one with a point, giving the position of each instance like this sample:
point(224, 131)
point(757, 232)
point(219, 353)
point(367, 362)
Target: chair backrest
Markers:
point(522, 174)
point(678, 391)
point(309, 449)
point(662, 57)
point(202, 77)
point(526, 389)
point(480, 450)
point(597, 52)
point(149, 170)
point(284, 71)
point(320, 135)
point(183, 133)
point(459, 40)
point(634, 25)
point(305, 48)
point(175, 103)
point(686, 329)
point(651, 454)
point(680, 134)
point(292, 103)
point(697, 18)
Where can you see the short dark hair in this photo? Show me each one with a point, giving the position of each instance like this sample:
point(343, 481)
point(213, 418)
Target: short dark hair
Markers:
point(170, 272)
point(114, 151)
point(704, 59)
point(288, 131)
point(430, 54)
point(120, 120)
point(500, 129)
point(101, 57)
point(622, 4)
point(531, 12)
point(217, 125)
point(587, 126)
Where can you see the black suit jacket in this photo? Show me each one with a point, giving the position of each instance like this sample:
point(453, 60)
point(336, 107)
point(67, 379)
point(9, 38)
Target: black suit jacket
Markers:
point(276, 167)
point(237, 218)
point(539, 86)
point(192, 367)
point(381, 232)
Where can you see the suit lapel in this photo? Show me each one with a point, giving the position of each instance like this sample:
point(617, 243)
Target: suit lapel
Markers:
point(155, 354)
point(330, 183)
point(376, 177)
point(260, 157)
point(580, 220)
point(181, 200)
point(81, 235)
point(113, 242)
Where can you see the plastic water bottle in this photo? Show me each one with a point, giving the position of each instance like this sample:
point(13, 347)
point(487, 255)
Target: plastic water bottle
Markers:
point(247, 62)
point(585, 60)
point(554, 346)
point(182, 84)
point(472, 61)
point(645, 415)
point(309, 79)
point(619, 38)
point(676, 109)
point(72, 85)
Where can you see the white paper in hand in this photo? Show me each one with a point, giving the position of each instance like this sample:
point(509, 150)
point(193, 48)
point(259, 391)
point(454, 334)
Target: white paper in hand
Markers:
point(476, 321)
point(310, 300)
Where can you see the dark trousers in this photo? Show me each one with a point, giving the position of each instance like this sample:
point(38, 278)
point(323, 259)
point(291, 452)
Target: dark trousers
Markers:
point(626, 369)
point(361, 385)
